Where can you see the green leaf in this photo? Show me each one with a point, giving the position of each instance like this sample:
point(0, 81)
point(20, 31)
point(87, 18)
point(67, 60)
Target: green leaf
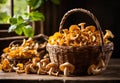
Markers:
point(18, 29)
point(28, 31)
point(13, 20)
point(36, 16)
point(37, 4)
point(12, 28)
point(34, 3)
point(57, 2)
point(20, 20)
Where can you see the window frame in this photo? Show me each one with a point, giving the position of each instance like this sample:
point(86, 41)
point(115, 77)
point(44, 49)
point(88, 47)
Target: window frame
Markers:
point(4, 26)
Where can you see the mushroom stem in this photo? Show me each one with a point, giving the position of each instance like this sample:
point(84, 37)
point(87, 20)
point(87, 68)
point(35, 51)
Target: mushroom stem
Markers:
point(41, 71)
point(50, 71)
point(20, 71)
point(55, 74)
point(66, 72)
point(95, 71)
point(101, 64)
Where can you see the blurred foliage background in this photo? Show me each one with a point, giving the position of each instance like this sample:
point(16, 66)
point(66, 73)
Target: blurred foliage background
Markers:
point(20, 7)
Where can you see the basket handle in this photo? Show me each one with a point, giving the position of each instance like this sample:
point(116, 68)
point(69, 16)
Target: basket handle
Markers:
point(89, 14)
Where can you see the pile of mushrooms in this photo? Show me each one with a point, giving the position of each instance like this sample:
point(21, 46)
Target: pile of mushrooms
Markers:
point(79, 35)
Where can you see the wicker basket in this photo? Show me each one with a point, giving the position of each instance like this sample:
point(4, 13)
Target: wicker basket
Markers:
point(81, 57)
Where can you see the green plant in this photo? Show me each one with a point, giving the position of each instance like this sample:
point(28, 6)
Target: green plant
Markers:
point(21, 25)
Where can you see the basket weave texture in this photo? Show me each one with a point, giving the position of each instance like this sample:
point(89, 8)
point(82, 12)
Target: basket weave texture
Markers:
point(81, 56)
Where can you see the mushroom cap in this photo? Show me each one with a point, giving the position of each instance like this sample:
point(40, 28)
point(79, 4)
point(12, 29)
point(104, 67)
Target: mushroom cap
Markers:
point(35, 59)
point(68, 65)
point(90, 68)
point(45, 60)
point(83, 23)
point(52, 64)
point(90, 28)
point(108, 34)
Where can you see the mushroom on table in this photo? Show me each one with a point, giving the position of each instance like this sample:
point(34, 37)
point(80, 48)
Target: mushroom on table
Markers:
point(51, 67)
point(67, 68)
point(96, 69)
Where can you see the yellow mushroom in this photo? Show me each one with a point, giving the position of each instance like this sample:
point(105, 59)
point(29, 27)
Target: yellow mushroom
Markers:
point(44, 61)
point(101, 64)
point(33, 68)
point(51, 67)
point(27, 69)
point(74, 29)
point(67, 68)
point(82, 25)
point(93, 70)
point(41, 69)
point(108, 34)
point(90, 28)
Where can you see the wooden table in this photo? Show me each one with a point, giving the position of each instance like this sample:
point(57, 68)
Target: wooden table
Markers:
point(110, 75)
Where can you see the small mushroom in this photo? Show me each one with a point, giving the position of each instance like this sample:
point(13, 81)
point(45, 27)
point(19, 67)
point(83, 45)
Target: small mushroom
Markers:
point(90, 28)
point(20, 71)
point(27, 69)
point(93, 70)
point(41, 69)
point(108, 34)
point(74, 37)
point(45, 61)
point(33, 68)
point(15, 68)
point(82, 25)
point(35, 60)
point(67, 68)
point(24, 41)
point(42, 45)
point(51, 67)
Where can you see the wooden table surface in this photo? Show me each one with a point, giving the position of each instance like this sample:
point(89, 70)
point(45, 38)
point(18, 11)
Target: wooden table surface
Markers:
point(110, 75)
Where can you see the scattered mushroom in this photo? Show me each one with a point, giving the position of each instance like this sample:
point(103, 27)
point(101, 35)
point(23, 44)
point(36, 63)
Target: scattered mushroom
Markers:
point(108, 34)
point(51, 67)
point(93, 70)
point(41, 69)
point(67, 68)
point(27, 69)
point(44, 61)
point(96, 69)
point(20, 71)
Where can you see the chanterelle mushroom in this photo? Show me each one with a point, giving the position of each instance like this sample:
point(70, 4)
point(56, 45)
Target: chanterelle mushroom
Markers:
point(108, 34)
point(93, 70)
point(41, 69)
point(67, 68)
point(44, 61)
point(82, 25)
point(51, 67)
